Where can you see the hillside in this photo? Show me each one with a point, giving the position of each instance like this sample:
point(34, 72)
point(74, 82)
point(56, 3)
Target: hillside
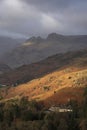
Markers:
point(7, 44)
point(57, 87)
point(57, 62)
point(4, 68)
point(36, 48)
point(55, 80)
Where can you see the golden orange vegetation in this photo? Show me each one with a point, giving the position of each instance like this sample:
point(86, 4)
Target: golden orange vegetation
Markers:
point(56, 87)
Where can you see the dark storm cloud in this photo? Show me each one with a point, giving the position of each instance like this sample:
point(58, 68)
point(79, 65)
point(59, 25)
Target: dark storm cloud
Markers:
point(56, 5)
point(49, 5)
point(40, 17)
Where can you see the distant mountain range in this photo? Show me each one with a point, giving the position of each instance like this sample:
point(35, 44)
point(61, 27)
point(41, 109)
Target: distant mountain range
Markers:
point(36, 48)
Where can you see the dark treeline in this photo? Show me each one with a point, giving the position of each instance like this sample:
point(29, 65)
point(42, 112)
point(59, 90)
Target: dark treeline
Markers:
point(30, 115)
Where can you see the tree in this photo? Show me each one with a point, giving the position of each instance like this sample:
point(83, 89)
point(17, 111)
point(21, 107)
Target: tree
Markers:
point(85, 103)
point(62, 125)
point(1, 114)
point(24, 103)
point(75, 108)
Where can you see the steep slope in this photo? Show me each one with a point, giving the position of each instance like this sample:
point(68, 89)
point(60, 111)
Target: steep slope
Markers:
point(58, 87)
point(57, 62)
point(37, 48)
point(55, 80)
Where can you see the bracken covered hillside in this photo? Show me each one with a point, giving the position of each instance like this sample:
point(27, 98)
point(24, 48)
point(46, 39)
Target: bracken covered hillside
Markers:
point(55, 80)
point(57, 62)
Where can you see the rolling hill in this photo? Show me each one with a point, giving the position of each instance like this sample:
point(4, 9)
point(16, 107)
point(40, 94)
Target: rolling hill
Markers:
point(56, 87)
point(26, 73)
point(54, 80)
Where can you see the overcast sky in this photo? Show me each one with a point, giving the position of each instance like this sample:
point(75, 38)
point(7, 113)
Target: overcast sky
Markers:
point(25, 18)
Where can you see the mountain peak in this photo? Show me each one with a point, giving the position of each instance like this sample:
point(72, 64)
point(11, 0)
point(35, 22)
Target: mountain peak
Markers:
point(34, 39)
point(54, 36)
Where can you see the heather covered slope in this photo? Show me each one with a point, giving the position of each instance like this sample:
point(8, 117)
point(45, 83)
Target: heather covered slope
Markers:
point(57, 79)
point(58, 87)
point(57, 62)
point(37, 48)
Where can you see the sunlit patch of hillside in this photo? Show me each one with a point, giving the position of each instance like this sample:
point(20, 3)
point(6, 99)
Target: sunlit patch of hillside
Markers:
point(55, 86)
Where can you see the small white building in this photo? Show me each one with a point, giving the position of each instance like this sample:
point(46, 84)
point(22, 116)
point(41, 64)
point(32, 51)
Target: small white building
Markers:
point(60, 109)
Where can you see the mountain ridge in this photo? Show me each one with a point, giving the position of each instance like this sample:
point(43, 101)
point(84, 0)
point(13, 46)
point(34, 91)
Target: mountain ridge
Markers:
point(37, 48)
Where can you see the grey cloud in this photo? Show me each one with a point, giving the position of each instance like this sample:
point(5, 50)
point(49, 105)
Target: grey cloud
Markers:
point(49, 5)
point(40, 17)
point(54, 5)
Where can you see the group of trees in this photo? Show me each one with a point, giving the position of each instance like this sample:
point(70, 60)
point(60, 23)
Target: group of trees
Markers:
point(30, 115)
